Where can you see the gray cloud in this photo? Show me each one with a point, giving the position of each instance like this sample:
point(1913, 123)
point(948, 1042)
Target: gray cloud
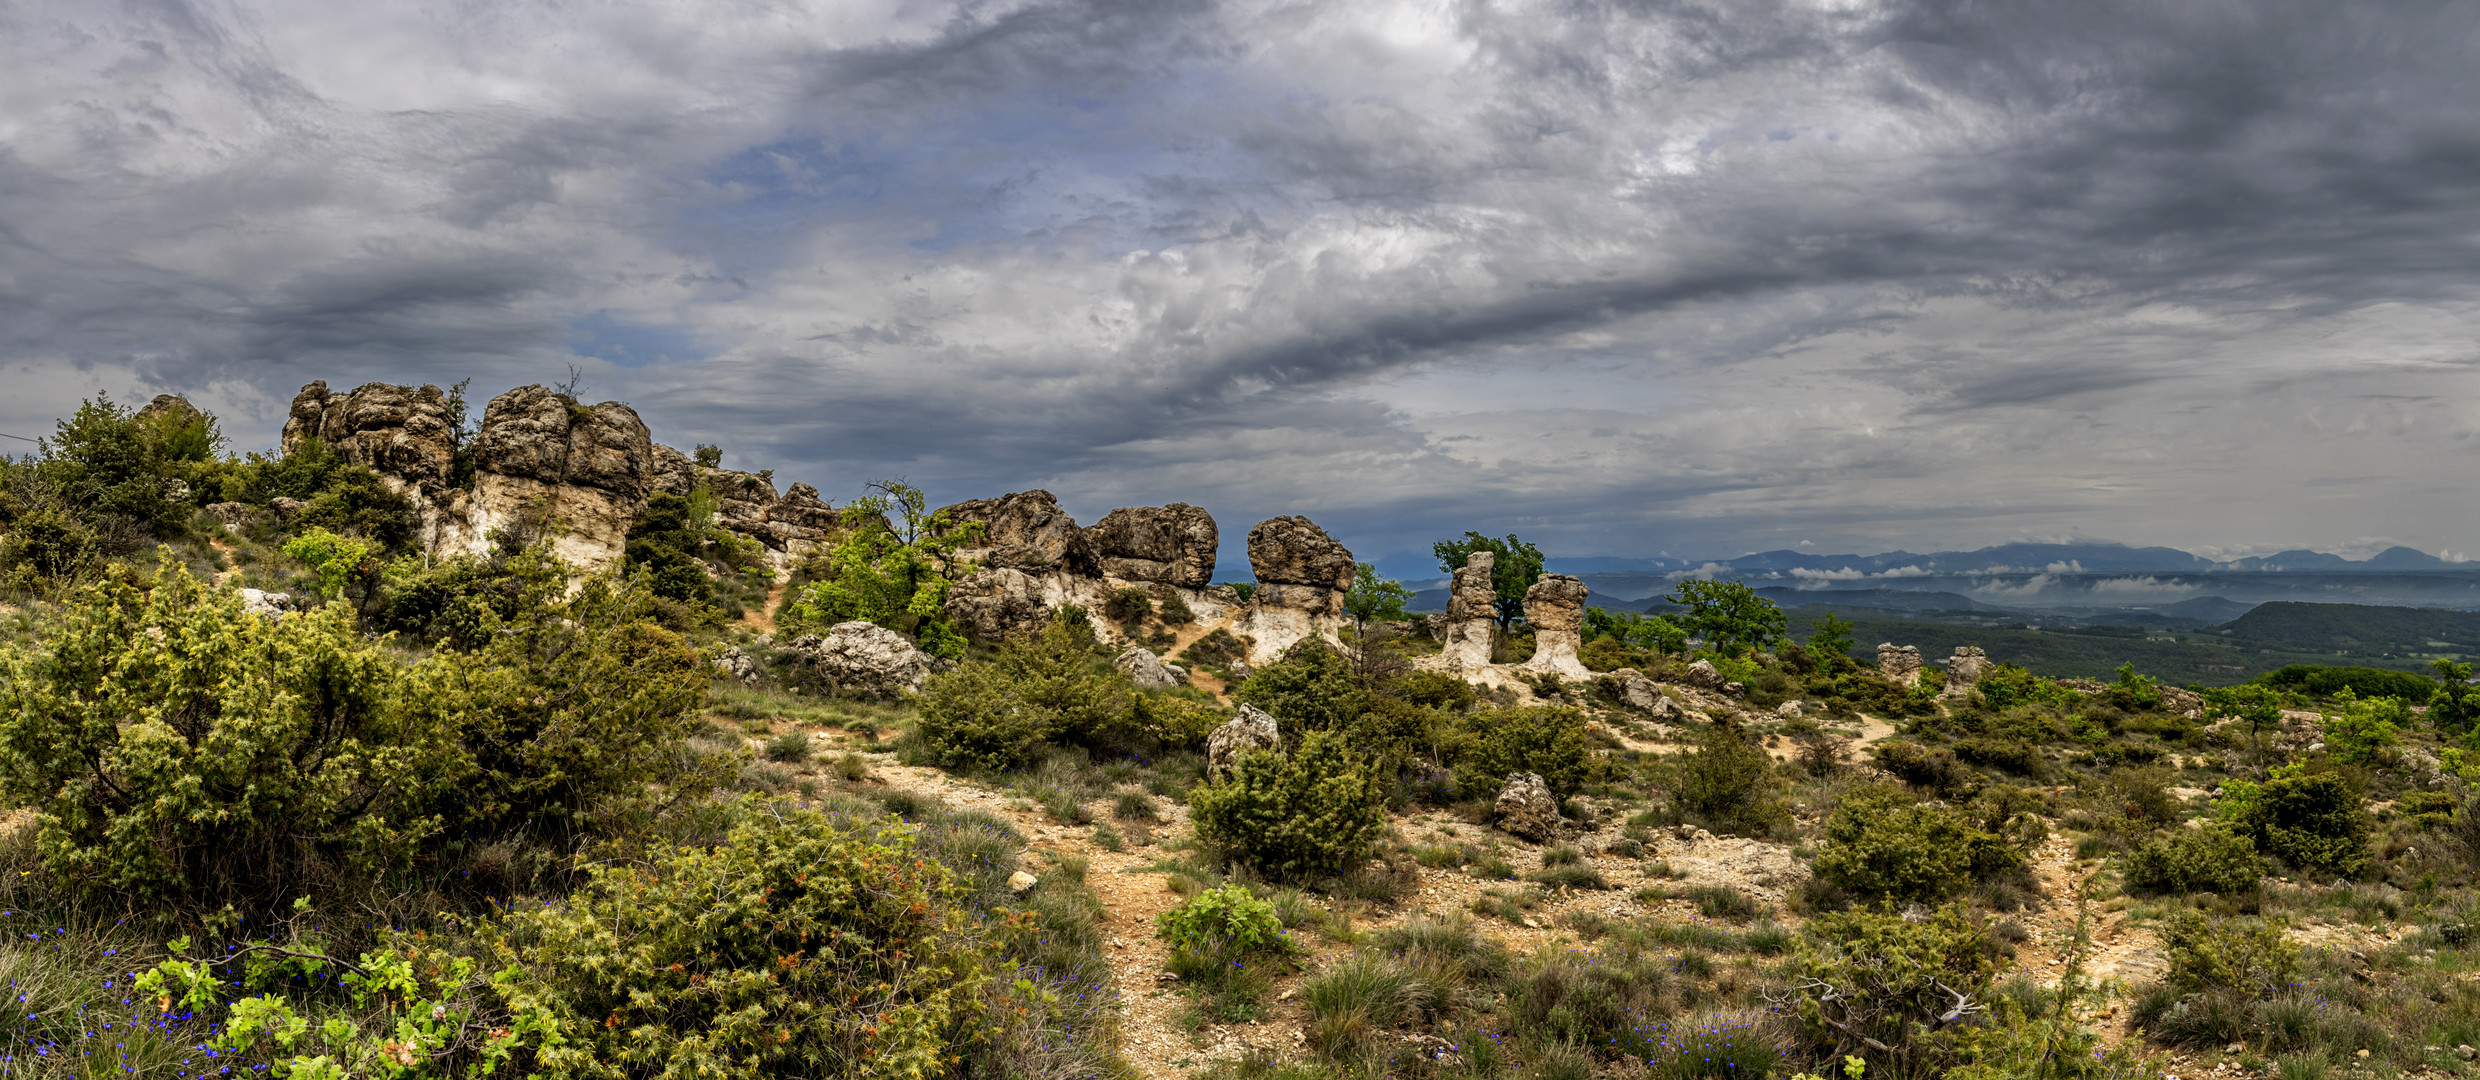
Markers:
point(1923, 274)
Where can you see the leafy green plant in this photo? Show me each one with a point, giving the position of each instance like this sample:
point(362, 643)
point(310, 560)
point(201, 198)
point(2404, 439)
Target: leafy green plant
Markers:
point(893, 572)
point(2247, 955)
point(2364, 727)
point(1878, 981)
point(1128, 606)
point(1229, 921)
point(1881, 843)
point(339, 561)
point(1729, 782)
point(2315, 822)
point(1730, 616)
point(1310, 687)
point(1543, 739)
point(1299, 817)
point(2212, 859)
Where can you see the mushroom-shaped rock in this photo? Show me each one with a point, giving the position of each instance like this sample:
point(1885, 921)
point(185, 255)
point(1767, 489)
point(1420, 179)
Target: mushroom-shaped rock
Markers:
point(1899, 664)
point(1472, 614)
point(1171, 545)
point(1964, 671)
point(1554, 606)
point(866, 658)
point(1252, 729)
point(1292, 557)
point(1145, 669)
point(1025, 530)
point(1527, 809)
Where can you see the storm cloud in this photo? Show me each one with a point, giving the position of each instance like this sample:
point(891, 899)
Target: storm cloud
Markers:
point(1696, 278)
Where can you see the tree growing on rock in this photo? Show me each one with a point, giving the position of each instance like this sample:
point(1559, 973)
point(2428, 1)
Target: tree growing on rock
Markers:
point(893, 571)
point(1518, 565)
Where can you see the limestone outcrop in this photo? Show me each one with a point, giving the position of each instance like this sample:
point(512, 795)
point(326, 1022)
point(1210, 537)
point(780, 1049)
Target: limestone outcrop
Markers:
point(400, 432)
point(1899, 664)
point(1251, 729)
point(1702, 675)
point(866, 658)
point(1170, 545)
point(1964, 671)
point(1025, 530)
point(1554, 606)
point(2180, 701)
point(1472, 614)
point(1301, 577)
point(1526, 808)
point(1146, 669)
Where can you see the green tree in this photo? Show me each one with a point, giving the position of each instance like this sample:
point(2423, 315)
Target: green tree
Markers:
point(1642, 631)
point(1517, 566)
point(1730, 616)
point(1373, 599)
point(1830, 641)
point(2364, 727)
point(663, 544)
point(1309, 687)
point(2259, 705)
point(2456, 704)
point(1300, 817)
point(341, 562)
point(2313, 822)
point(891, 571)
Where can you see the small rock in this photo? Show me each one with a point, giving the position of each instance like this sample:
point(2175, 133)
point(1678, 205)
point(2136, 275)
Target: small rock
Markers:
point(2465, 1052)
point(1145, 669)
point(1526, 808)
point(1251, 729)
point(1020, 882)
point(1702, 675)
point(1789, 710)
point(2234, 1048)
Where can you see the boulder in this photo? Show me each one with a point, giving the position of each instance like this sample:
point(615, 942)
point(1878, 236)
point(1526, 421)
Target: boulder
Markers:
point(738, 666)
point(1145, 669)
point(285, 507)
point(2180, 701)
point(1025, 530)
point(1635, 690)
point(1735, 689)
point(1790, 710)
point(1471, 622)
point(235, 516)
point(673, 473)
point(992, 604)
point(1252, 729)
point(1293, 551)
point(266, 605)
point(800, 521)
point(1021, 882)
point(866, 658)
point(1899, 664)
point(2084, 686)
point(400, 432)
point(1554, 606)
point(1964, 671)
point(172, 409)
point(1170, 545)
point(1702, 675)
point(1526, 808)
point(541, 457)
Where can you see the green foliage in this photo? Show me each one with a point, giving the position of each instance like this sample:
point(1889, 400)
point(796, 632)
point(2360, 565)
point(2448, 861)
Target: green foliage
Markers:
point(1881, 843)
point(105, 484)
point(1728, 781)
point(1730, 616)
point(1543, 739)
point(709, 455)
point(1515, 567)
point(340, 562)
point(894, 575)
point(2213, 859)
point(1831, 638)
point(177, 747)
point(2322, 681)
point(2259, 705)
point(2007, 686)
point(1434, 689)
point(2313, 822)
point(1128, 606)
point(1374, 599)
point(1885, 979)
point(2132, 691)
point(663, 544)
point(1229, 922)
point(356, 502)
point(2247, 955)
point(803, 946)
point(1311, 687)
point(998, 713)
point(2455, 707)
point(1633, 629)
point(1300, 817)
point(2362, 728)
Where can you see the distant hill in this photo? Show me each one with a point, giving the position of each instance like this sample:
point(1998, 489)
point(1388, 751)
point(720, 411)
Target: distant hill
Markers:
point(2182, 659)
point(1889, 599)
point(2359, 629)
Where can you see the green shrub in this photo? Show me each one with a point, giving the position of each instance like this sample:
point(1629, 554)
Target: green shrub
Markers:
point(2314, 822)
point(1311, 687)
point(1128, 606)
point(2013, 755)
point(174, 745)
point(2247, 955)
point(1175, 611)
point(800, 947)
point(1729, 782)
point(995, 714)
point(1305, 816)
point(1932, 770)
point(1435, 690)
point(1545, 739)
point(2212, 859)
point(791, 747)
point(663, 544)
point(1882, 977)
point(1879, 843)
point(2364, 727)
point(2324, 681)
point(1215, 650)
point(1228, 922)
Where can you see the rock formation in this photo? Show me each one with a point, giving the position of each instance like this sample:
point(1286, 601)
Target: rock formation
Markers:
point(399, 432)
point(171, 407)
point(1554, 606)
point(1790, 710)
point(1301, 577)
point(1527, 809)
point(866, 658)
point(1025, 530)
point(1170, 545)
point(1702, 675)
point(2180, 701)
point(1643, 694)
point(1146, 669)
point(1964, 671)
point(1251, 729)
point(1472, 614)
point(1899, 664)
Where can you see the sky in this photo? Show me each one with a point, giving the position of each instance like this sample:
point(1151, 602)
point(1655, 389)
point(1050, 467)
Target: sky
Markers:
point(1661, 277)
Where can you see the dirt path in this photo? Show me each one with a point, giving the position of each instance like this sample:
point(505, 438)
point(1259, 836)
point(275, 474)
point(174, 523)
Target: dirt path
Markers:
point(2121, 952)
point(232, 558)
point(763, 618)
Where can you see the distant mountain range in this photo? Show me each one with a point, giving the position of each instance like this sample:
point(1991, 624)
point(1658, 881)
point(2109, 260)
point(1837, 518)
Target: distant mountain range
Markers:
point(2090, 558)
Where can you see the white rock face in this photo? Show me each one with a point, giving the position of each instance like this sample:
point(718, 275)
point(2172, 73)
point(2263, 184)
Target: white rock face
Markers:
point(866, 658)
point(1789, 710)
point(1965, 671)
point(738, 666)
point(1527, 809)
point(1899, 664)
point(1555, 608)
point(1472, 618)
point(1252, 729)
point(1145, 669)
point(266, 605)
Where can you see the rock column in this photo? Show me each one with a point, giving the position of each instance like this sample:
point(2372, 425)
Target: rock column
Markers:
point(1472, 616)
point(1965, 671)
point(1555, 608)
point(1900, 664)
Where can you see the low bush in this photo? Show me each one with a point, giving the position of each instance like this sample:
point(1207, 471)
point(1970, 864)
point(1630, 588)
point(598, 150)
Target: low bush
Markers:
point(2314, 822)
point(1311, 688)
point(1305, 816)
point(1546, 740)
point(1228, 922)
point(1881, 977)
point(1933, 770)
point(2250, 956)
point(1729, 782)
point(1880, 843)
point(791, 747)
point(2212, 859)
point(1128, 606)
point(2013, 755)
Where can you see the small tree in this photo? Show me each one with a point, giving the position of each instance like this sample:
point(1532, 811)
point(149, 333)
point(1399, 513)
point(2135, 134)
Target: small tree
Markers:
point(2313, 822)
point(1730, 616)
point(341, 562)
point(1830, 641)
point(1312, 814)
point(1517, 566)
point(2456, 704)
point(1373, 599)
point(1642, 631)
point(2259, 705)
point(1729, 782)
point(893, 572)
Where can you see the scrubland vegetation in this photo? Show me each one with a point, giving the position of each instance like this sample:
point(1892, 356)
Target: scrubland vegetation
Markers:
point(493, 817)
